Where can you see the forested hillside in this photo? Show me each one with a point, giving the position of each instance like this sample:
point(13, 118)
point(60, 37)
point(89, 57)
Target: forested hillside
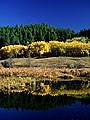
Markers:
point(32, 33)
point(36, 32)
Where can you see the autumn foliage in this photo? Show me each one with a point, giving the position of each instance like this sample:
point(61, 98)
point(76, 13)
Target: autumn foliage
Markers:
point(51, 48)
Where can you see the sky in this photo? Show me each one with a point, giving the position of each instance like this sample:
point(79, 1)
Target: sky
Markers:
point(73, 14)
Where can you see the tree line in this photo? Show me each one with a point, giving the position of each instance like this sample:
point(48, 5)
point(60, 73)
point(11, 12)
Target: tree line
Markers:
point(25, 34)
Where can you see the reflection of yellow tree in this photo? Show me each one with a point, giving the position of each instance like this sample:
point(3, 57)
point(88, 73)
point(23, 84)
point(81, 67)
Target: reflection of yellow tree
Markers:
point(32, 84)
point(45, 88)
point(63, 87)
point(42, 90)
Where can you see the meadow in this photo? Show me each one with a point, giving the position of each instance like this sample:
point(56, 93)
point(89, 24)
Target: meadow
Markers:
point(51, 61)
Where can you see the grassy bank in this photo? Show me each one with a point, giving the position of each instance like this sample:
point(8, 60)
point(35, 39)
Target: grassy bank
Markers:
point(56, 62)
point(47, 68)
point(20, 75)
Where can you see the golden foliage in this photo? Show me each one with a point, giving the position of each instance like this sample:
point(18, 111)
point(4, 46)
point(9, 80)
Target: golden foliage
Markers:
point(15, 49)
point(39, 48)
point(54, 48)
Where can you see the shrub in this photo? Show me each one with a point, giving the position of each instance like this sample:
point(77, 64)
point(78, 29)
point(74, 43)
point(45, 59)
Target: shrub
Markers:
point(73, 49)
point(79, 39)
point(76, 49)
point(56, 48)
point(53, 48)
point(17, 50)
point(38, 48)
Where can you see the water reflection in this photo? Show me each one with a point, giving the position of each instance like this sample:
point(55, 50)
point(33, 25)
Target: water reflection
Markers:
point(47, 100)
point(55, 88)
point(27, 101)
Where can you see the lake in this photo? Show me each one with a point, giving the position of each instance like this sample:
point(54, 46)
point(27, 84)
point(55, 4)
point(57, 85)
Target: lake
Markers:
point(48, 100)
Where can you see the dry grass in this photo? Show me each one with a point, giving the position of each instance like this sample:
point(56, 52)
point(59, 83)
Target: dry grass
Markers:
point(48, 68)
point(36, 72)
point(56, 62)
point(55, 68)
point(45, 73)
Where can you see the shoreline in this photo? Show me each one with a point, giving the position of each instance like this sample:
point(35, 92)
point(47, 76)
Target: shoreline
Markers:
point(19, 77)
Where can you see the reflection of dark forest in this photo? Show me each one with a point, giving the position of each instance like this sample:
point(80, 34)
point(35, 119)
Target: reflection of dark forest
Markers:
point(27, 101)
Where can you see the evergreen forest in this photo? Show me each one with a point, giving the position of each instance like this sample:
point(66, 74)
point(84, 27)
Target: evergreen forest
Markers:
point(25, 34)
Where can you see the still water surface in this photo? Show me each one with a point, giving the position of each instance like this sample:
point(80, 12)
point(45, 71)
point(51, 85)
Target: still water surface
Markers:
point(73, 112)
point(40, 103)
